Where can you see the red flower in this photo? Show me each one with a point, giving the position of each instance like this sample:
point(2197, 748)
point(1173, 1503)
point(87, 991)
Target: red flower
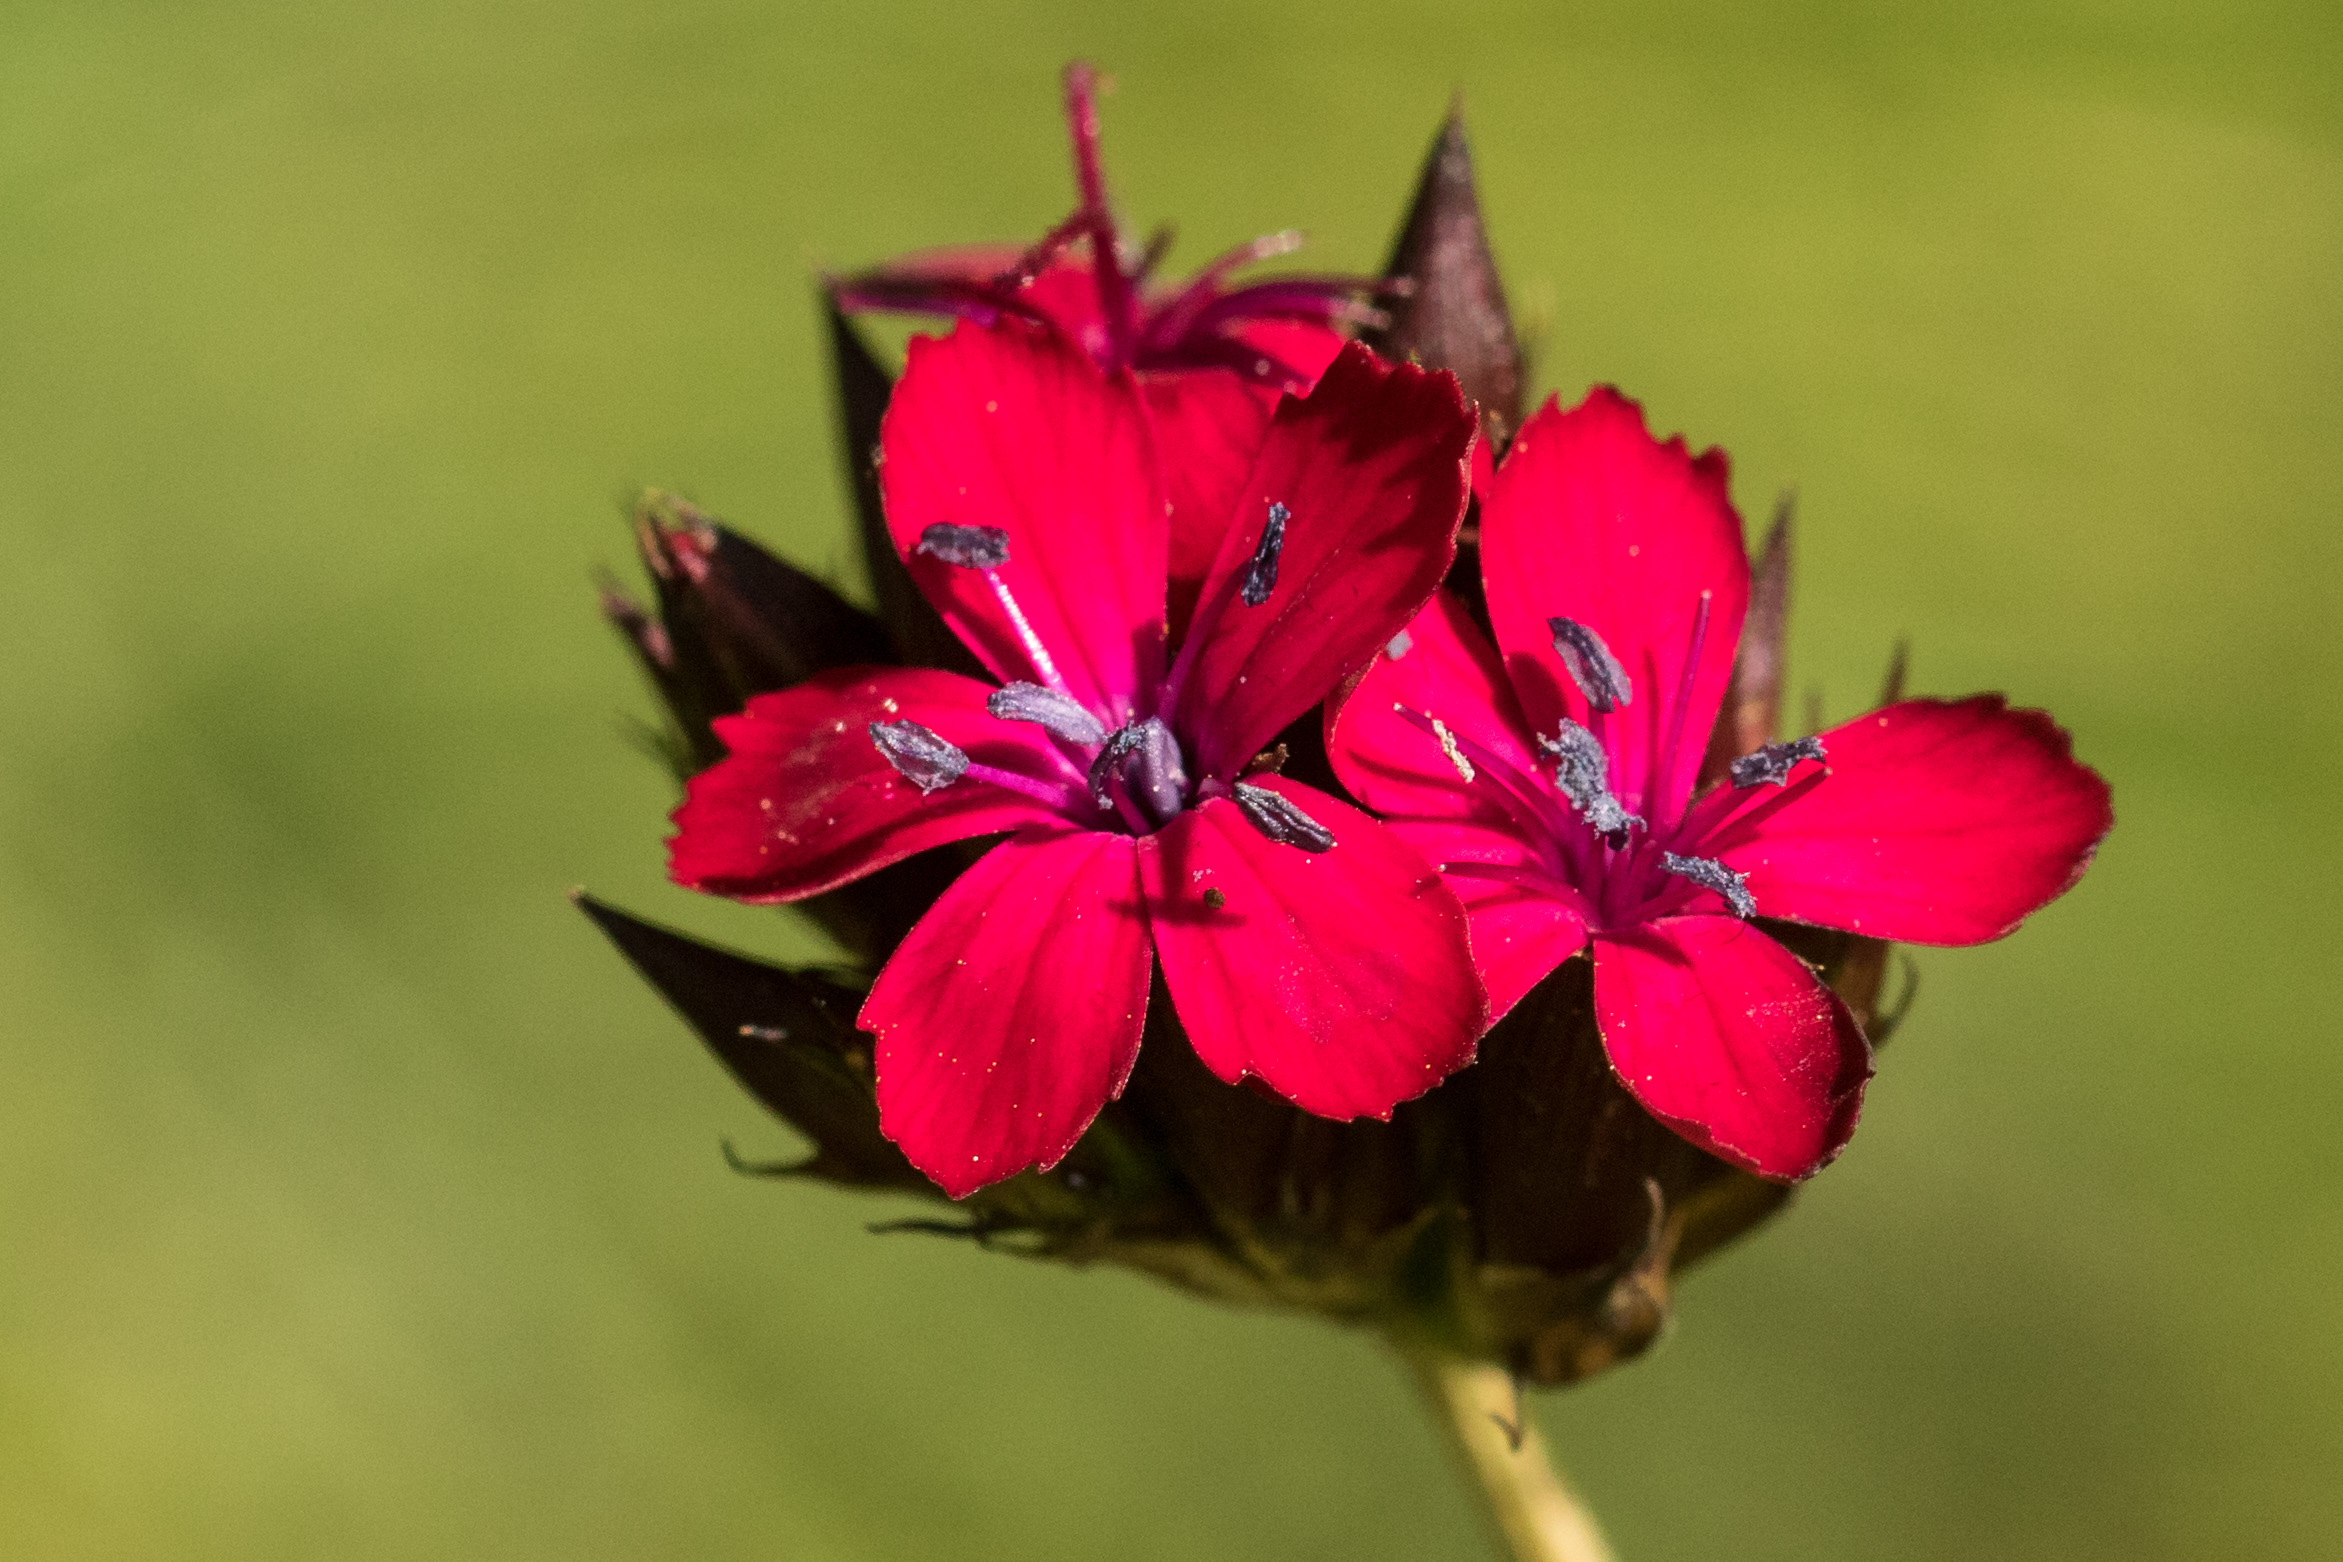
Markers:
point(1302, 943)
point(1083, 278)
point(1553, 777)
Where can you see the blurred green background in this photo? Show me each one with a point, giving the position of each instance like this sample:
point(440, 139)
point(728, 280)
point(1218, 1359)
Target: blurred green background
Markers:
point(356, 1201)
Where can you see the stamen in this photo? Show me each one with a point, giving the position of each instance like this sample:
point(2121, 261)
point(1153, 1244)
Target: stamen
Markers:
point(1060, 713)
point(1261, 573)
point(970, 547)
point(1400, 645)
point(1464, 766)
point(1583, 771)
point(1529, 803)
point(1591, 665)
point(1035, 651)
point(1655, 785)
point(986, 549)
point(1146, 758)
point(1738, 812)
point(1275, 816)
point(1772, 764)
point(918, 755)
point(1715, 877)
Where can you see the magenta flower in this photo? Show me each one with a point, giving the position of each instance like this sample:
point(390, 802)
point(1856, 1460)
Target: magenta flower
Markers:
point(1553, 777)
point(1303, 944)
point(1085, 279)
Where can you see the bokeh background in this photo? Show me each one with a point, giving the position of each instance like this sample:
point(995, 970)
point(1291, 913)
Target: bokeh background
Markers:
point(355, 1201)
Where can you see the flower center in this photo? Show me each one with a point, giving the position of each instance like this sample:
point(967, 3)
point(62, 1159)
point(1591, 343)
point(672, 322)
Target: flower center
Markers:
point(1136, 775)
point(1619, 867)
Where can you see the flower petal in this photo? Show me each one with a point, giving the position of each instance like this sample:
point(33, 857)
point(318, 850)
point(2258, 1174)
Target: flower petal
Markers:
point(1370, 468)
point(1303, 346)
point(1209, 425)
point(1443, 667)
point(1014, 428)
point(1594, 520)
point(1342, 979)
point(1939, 822)
point(1518, 937)
point(1521, 929)
point(1729, 1039)
point(1013, 1011)
point(805, 801)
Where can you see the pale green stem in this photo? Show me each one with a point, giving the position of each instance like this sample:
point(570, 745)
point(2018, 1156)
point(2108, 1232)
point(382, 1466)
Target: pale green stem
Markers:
point(1504, 1460)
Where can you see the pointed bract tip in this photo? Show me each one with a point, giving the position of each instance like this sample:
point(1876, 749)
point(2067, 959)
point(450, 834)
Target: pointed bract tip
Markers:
point(1455, 317)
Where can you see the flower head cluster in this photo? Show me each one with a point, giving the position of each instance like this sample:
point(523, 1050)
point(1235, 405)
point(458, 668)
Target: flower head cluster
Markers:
point(1183, 720)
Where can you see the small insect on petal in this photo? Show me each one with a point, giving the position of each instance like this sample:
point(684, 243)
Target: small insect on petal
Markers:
point(1712, 875)
point(1772, 764)
point(1591, 665)
point(1060, 713)
point(918, 755)
point(1261, 572)
point(970, 547)
point(1275, 816)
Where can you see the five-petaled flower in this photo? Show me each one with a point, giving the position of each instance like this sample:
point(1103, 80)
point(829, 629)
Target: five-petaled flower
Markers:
point(1553, 777)
point(1303, 944)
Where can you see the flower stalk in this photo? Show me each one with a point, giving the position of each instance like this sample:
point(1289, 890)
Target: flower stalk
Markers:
point(1503, 1459)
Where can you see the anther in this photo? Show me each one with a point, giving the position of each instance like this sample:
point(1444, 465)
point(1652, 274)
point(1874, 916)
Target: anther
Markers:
point(1714, 876)
point(1772, 764)
point(1275, 816)
point(986, 549)
point(1591, 665)
point(1583, 771)
point(1060, 713)
point(1261, 573)
point(918, 755)
point(1400, 645)
point(1464, 766)
point(970, 547)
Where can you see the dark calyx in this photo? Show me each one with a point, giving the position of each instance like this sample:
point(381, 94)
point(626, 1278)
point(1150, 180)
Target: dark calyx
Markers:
point(918, 755)
point(1772, 764)
point(1592, 666)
